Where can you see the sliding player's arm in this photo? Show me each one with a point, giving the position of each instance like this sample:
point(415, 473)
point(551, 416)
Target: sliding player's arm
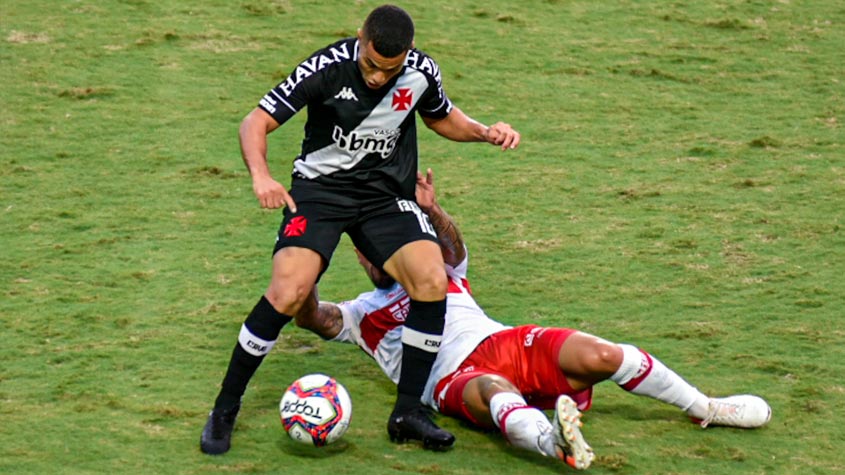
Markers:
point(451, 240)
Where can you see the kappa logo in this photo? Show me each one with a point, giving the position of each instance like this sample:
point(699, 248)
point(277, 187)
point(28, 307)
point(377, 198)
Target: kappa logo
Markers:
point(296, 227)
point(346, 94)
point(402, 99)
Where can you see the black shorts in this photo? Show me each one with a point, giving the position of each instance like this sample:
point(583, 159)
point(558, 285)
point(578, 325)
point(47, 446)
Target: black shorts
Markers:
point(378, 225)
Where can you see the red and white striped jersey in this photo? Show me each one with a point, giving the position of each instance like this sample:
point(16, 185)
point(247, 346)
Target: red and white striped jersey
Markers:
point(374, 321)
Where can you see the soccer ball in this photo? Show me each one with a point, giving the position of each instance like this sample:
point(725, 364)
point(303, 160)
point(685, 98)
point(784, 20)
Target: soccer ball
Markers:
point(315, 410)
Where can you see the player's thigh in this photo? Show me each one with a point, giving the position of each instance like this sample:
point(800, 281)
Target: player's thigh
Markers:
point(419, 267)
point(304, 246)
point(587, 359)
point(316, 226)
point(398, 238)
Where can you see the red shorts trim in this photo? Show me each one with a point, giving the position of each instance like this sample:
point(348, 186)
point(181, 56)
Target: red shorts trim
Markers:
point(527, 356)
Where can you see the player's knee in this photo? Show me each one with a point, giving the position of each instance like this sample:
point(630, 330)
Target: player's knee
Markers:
point(491, 384)
point(288, 299)
point(604, 357)
point(427, 286)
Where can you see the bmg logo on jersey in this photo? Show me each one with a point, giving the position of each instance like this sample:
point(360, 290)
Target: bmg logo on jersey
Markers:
point(382, 142)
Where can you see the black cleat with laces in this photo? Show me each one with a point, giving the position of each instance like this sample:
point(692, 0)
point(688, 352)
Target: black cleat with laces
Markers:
point(217, 434)
point(416, 424)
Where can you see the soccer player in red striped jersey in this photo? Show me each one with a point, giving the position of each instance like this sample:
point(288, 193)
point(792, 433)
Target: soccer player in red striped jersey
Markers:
point(497, 376)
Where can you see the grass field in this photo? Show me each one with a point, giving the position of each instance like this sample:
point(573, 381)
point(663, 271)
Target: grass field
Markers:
point(681, 186)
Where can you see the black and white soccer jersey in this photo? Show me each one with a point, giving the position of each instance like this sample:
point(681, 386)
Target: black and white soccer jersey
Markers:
point(358, 138)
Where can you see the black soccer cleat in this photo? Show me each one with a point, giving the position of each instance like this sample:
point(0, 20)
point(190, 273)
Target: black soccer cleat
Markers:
point(416, 424)
point(217, 434)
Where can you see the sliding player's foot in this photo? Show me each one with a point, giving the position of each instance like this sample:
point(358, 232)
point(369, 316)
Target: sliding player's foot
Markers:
point(745, 411)
point(571, 446)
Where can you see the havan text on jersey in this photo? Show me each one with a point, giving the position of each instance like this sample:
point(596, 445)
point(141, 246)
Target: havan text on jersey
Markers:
point(351, 129)
point(318, 62)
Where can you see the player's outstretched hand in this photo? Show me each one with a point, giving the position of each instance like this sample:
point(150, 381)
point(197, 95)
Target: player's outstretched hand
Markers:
point(502, 134)
point(425, 190)
point(272, 194)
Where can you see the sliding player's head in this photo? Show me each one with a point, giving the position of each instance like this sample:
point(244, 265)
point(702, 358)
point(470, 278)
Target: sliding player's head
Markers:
point(378, 277)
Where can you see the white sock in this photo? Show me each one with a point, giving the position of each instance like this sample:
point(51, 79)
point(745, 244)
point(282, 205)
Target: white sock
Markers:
point(523, 426)
point(643, 374)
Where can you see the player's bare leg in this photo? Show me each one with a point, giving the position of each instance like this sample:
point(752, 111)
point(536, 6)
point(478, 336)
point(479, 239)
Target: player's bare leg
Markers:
point(419, 267)
point(494, 402)
point(587, 360)
point(294, 272)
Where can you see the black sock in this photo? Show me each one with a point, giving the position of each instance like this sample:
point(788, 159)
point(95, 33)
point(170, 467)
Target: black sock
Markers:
point(420, 343)
point(264, 323)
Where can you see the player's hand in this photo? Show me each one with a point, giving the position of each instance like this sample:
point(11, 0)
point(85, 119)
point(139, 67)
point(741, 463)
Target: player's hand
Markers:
point(502, 134)
point(271, 194)
point(425, 190)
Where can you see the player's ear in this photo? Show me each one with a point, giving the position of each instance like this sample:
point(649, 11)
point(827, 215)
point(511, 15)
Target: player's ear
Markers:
point(360, 35)
point(413, 44)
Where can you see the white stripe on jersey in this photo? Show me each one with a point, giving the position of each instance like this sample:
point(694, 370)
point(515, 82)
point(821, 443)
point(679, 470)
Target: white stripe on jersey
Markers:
point(382, 118)
point(273, 91)
point(374, 321)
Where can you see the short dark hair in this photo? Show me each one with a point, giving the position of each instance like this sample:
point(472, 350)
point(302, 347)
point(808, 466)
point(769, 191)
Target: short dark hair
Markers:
point(391, 30)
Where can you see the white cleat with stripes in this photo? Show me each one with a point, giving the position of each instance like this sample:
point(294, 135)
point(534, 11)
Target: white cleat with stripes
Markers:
point(744, 410)
point(570, 444)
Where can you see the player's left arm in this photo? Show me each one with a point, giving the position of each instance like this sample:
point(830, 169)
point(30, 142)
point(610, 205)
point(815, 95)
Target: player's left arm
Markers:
point(460, 127)
point(451, 240)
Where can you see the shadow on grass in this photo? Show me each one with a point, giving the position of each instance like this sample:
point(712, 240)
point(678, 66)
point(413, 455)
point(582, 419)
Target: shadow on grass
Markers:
point(290, 447)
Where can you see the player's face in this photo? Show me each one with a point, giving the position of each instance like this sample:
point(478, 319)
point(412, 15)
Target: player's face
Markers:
point(376, 69)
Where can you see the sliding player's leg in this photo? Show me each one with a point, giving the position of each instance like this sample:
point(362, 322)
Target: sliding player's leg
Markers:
point(587, 360)
point(491, 401)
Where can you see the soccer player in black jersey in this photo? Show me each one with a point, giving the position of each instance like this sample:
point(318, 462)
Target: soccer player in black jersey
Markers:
point(356, 173)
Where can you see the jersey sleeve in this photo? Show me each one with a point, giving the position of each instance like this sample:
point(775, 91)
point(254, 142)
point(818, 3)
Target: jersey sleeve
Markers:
point(289, 96)
point(434, 103)
point(459, 271)
point(353, 312)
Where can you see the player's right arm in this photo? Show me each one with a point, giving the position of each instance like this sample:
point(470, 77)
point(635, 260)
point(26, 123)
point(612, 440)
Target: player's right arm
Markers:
point(253, 138)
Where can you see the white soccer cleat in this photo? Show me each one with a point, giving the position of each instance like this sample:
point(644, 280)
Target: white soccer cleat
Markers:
point(570, 444)
point(744, 411)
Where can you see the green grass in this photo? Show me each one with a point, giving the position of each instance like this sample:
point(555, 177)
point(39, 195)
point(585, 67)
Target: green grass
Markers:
point(680, 186)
